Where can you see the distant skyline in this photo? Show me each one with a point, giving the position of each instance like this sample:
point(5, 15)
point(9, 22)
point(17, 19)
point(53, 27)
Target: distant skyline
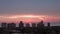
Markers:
point(49, 8)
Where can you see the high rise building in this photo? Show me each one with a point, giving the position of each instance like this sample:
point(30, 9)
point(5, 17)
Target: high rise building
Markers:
point(33, 24)
point(21, 24)
point(27, 25)
point(4, 25)
point(11, 25)
point(48, 24)
point(40, 24)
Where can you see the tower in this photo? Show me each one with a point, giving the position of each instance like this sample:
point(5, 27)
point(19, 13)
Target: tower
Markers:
point(40, 24)
point(48, 24)
point(21, 24)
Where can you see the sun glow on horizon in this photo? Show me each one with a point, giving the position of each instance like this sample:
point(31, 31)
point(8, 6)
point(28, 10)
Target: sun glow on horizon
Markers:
point(22, 16)
point(27, 18)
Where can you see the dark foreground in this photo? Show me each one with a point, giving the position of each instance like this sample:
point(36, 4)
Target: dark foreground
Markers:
point(31, 30)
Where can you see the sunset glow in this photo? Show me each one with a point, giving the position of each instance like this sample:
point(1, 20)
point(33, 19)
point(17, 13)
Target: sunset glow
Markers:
point(28, 18)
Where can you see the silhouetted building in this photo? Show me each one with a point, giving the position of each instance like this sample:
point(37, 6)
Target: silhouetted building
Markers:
point(40, 24)
point(48, 24)
point(29, 30)
point(33, 24)
point(21, 24)
point(4, 25)
point(11, 25)
point(27, 25)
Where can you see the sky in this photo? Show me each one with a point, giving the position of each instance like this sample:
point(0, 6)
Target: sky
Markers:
point(50, 9)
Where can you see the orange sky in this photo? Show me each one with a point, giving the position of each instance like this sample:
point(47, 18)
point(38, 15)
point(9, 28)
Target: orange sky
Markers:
point(29, 18)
